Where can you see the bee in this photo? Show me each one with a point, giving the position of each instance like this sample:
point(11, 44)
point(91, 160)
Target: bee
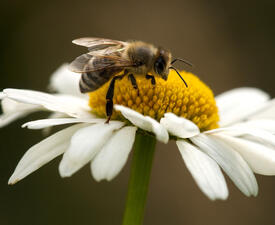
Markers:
point(106, 58)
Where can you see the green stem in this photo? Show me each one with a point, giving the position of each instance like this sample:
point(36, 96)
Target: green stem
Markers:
point(144, 149)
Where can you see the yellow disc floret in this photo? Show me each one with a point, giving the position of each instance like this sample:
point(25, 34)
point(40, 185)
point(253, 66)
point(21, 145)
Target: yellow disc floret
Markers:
point(195, 102)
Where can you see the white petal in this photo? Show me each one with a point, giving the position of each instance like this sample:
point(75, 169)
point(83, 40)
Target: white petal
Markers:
point(259, 157)
point(266, 112)
point(43, 152)
point(85, 144)
point(10, 106)
point(231, 162)
point(6, 119)
point(66, 82)
point(204, 170)
point(54, 115)
point(40, 124)
point(72, 106)
point(144, 122)
point(114, 154)
point(267, 125)
point(244, 131)
point(178, 126)
point(13, 110)
point(2, 95)
point(78, 106)
point(238, 104)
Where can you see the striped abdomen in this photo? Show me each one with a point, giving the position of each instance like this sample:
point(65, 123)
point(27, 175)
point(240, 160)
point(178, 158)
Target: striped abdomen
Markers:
point(91, 81)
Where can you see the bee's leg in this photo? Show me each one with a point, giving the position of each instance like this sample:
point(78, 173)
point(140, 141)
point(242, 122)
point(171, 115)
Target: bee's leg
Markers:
point(110, 95)
point(134, 82)
point(153, 81)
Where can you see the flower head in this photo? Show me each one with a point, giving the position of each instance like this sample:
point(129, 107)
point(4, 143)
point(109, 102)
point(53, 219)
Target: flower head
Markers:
point(195, 103)
point(234, 131)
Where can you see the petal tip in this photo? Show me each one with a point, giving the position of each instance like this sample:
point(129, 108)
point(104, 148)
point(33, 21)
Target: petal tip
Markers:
point(179, 126)
point(13, 180)
point(2, 95)
point(65, 170)
point(25, 125)
point(165, 139)
point(97, 177)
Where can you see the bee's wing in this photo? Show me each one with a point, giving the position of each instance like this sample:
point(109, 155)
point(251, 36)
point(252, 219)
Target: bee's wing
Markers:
point(94, 44)
point(103, 53)
point(89, 63)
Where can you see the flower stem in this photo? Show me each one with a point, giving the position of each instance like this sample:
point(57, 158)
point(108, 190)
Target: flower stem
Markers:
point(144, 149)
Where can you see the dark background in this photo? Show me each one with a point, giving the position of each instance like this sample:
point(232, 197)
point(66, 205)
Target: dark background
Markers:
point(231, 44)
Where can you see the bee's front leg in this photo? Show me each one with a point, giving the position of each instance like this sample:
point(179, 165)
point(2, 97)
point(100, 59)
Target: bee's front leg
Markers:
point(153, 80)
point(110, 95)
point(134, 82)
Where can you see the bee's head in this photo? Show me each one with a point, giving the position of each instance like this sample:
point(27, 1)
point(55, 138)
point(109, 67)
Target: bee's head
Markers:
point(162, 63)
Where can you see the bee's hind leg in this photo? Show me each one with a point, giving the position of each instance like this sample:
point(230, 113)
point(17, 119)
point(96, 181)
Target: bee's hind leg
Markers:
point(110, 95)
point(153, 80)
point(134, 82)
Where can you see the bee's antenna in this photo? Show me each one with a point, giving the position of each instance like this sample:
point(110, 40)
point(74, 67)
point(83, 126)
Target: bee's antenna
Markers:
point(171, 67)
point(182, 60)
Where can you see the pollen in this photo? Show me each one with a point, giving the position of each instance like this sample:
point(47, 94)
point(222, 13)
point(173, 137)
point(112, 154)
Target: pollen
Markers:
point(195, 102)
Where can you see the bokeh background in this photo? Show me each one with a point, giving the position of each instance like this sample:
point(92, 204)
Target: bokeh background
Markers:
point(231, 44)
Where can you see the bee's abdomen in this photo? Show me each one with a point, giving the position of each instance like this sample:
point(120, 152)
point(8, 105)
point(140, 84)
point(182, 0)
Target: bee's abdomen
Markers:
point(91, 81)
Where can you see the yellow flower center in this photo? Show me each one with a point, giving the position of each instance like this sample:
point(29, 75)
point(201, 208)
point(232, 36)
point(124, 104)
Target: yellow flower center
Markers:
point(196, 103)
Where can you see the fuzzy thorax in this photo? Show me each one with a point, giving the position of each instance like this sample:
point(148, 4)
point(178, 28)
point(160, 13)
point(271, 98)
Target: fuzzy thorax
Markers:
point(195, 102)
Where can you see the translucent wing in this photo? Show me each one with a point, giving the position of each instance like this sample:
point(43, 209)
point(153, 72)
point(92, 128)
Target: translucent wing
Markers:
point(94, 44)
point(89, 63)
point(103, 54)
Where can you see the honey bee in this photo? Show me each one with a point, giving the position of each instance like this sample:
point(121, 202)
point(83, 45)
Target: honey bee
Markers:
point(108, 57)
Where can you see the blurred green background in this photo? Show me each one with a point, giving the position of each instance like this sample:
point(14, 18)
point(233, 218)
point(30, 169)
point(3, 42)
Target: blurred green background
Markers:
point(231, 44)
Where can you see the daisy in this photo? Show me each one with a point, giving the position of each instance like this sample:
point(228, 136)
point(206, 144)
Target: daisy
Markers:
point(233, 131)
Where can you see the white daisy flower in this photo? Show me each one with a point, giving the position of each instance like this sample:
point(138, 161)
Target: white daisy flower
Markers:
point(233, 132)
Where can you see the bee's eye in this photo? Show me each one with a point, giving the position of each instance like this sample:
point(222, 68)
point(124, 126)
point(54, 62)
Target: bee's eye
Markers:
point(159, 65)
